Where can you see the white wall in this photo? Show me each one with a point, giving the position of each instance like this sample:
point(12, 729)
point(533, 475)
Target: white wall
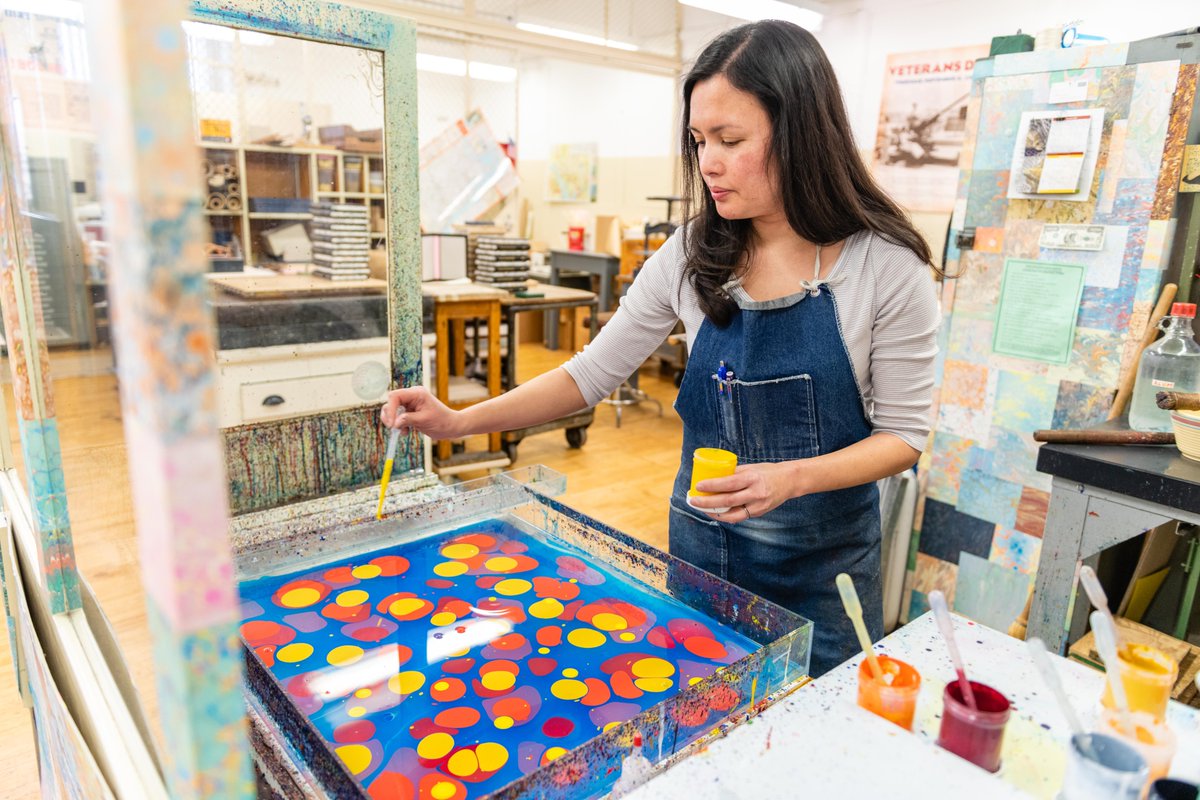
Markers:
point(859, 41)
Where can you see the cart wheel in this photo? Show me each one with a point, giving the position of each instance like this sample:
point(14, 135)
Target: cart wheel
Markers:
point(576, 437)
point(510, 450)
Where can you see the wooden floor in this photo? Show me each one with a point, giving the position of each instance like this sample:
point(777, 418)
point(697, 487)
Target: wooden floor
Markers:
point(621, 476)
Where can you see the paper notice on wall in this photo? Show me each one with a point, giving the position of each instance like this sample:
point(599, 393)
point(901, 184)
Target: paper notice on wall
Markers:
point(1039, 304)
point(1071, 90)
point(1055, 154)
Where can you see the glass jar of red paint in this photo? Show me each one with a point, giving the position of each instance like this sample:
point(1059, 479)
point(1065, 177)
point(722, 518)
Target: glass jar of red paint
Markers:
point(974, 734)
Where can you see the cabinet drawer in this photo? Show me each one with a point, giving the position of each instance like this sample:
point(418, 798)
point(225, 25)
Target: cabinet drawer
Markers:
point(293, 396)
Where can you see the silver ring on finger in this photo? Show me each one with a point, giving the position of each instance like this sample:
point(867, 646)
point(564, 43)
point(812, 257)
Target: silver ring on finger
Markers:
point(746, 508)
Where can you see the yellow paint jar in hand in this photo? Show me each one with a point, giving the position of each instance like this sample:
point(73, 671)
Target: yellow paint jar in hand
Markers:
point(710, 462)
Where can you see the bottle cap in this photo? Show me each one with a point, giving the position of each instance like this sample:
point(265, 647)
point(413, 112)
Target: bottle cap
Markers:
point(637, 740)
point(1183, 310)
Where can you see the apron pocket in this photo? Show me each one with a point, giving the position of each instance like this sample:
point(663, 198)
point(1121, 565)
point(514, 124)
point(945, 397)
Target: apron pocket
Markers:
point(776, 419)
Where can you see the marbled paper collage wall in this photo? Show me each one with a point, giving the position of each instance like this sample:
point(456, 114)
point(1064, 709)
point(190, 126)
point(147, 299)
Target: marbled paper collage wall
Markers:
point(983, 503)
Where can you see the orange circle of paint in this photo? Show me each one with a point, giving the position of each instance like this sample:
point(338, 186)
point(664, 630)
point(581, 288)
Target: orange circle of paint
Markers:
point(446, 690)
point(704, 647)
point(461, 717)
point(895, 696)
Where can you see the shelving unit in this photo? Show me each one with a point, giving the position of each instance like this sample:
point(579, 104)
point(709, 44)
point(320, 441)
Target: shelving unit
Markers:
point(305, 174)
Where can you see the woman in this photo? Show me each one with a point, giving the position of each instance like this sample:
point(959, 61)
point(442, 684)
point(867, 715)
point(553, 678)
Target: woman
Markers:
point(801, 282)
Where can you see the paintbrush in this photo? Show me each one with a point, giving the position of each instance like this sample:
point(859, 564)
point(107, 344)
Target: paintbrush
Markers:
point(937, 602)
point(854, 611)
point(393, 442)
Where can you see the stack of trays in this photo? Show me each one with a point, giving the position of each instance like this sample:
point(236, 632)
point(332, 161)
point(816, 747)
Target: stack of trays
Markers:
point(502, 262)
point(341, 241)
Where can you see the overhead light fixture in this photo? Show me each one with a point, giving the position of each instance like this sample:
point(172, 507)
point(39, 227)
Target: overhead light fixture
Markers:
point(479, 70)
point(587, 38)
point(755, 10)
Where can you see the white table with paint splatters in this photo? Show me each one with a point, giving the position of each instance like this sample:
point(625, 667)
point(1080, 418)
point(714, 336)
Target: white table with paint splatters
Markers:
point(819, 743)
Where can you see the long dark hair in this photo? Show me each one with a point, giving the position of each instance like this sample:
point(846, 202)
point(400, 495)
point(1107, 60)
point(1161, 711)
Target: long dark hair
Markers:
point(828, 194)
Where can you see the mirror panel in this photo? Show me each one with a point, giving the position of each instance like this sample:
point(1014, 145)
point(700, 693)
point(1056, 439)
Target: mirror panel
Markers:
point(316, 267)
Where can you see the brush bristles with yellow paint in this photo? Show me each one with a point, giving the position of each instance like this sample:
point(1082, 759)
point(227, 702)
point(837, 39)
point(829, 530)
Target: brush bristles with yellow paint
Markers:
point(393, 441)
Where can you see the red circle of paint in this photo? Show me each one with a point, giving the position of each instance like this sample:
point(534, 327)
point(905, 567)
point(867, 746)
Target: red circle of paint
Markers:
point(557, 727)
point(358, 731)
point(705, 648)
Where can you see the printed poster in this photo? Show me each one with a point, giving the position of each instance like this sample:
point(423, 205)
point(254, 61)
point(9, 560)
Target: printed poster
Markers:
point(922, 125)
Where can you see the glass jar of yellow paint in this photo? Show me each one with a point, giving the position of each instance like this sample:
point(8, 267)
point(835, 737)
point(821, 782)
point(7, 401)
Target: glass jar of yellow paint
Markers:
point(1148, 674)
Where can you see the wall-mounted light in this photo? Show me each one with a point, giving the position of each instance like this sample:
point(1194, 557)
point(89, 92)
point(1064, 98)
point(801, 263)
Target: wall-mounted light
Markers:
point(575, 37)
point(754, 10)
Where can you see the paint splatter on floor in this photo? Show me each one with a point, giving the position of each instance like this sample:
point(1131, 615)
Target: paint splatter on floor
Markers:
point(448, 667)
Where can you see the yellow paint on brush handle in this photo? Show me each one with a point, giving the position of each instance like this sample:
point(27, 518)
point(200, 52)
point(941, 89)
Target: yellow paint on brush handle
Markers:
point(383, 484)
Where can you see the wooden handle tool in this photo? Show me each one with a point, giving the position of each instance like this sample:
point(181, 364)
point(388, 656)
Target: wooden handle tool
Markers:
point(1178, 401)
point(1125, 388)
point(1094, 436)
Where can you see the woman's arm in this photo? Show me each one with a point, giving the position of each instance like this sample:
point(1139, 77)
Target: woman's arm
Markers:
point(763, 487)
point(547, 397)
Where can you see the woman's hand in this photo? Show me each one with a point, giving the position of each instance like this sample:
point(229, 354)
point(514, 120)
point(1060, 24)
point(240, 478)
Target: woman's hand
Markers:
point(416, 409)
point(751, 491)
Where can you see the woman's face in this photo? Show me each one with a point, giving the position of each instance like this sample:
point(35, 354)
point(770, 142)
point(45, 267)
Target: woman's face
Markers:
point(733, 138)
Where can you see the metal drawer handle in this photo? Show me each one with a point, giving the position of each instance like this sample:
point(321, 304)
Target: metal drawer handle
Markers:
point(272, 400)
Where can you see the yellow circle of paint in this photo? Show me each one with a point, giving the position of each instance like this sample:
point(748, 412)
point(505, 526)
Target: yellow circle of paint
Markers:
point(586, 638)
point(296, 651)
point(627, 637)
point(574, 580)
point(354, 597)
point(498, 681)
point(442, 790)
point(500, 563)
point(344, 655)
point(611, 725)
point(609, 622)
point(405, 683)
point(450, 569)
point(570, 673)
point(692, 681)
point(363, 693)
point(653, 684)
point(405, 606)
point(652, 668)
point(441, 686)
point(513, 586)
point(460, 551)
point(543, 650)
point(492, 756)
point(554, 753)
point(435, 745)
point(463, 764)
point(503, 723)
point(568, 689)
point(443, 618)
point(299, 598)
point(546, 609)
point(355, 711)
point(366, 571)
point(356, 757)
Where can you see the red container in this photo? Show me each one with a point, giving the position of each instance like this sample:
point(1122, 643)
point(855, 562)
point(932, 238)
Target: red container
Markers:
point(575, 238)
point(974, 735)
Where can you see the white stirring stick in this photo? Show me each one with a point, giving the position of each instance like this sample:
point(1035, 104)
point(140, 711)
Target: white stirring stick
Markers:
point(941, 613)
point(1095, 593)
point(1107, 645)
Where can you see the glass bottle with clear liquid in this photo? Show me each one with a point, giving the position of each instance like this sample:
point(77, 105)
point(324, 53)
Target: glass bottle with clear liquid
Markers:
point(1172, 364)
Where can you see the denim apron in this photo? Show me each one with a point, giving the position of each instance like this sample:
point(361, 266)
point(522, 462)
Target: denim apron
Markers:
point(793, 396)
